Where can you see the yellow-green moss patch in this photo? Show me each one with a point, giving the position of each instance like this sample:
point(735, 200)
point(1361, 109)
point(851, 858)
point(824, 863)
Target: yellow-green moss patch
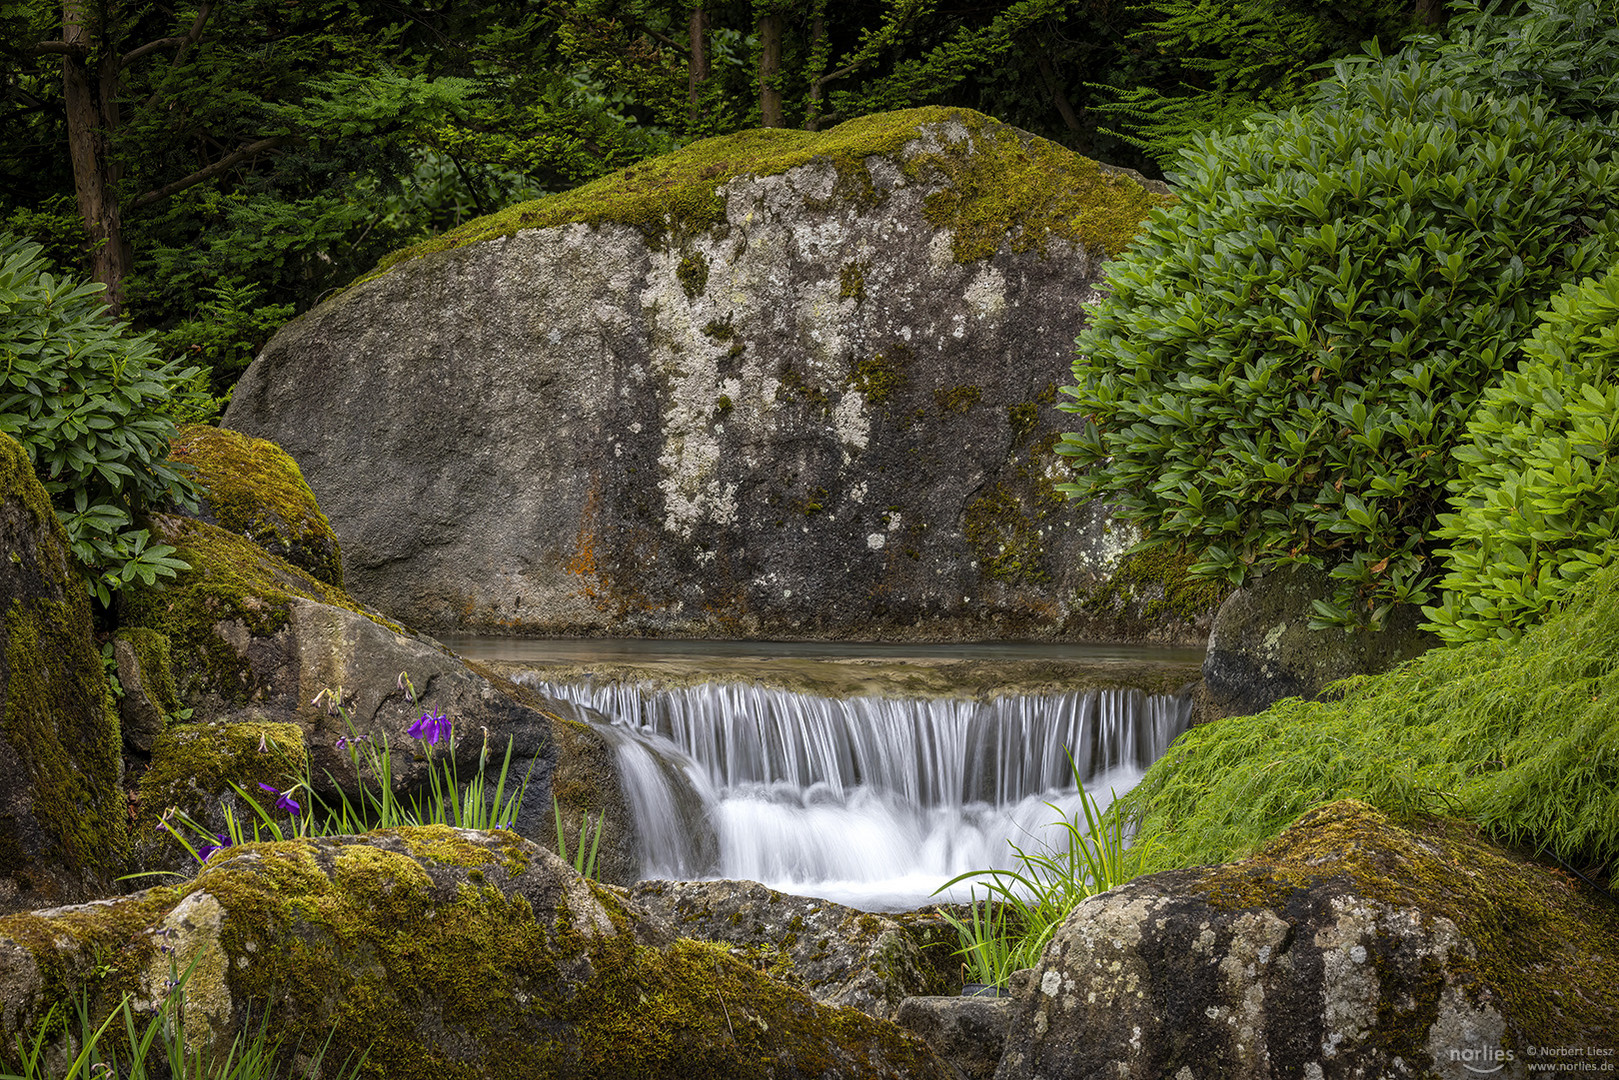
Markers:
point(254, 488)
point(1015, 188)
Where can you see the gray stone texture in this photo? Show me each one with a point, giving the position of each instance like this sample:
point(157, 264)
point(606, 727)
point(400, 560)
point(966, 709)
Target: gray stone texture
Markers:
point(968, 1032)
point(842, 432)
point(839, 955)
point(1261, 648)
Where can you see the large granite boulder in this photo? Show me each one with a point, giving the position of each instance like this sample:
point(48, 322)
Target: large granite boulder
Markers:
point(783, 382)
point(436, 952)
point(1350, 947)
point(839, 955)
point(62, 812)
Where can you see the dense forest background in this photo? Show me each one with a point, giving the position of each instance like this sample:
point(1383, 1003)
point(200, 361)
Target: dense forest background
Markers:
point(220, 167)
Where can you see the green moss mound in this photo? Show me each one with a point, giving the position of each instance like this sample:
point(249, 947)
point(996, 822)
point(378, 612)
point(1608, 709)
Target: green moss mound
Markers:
point(1547, 947)
point(1017, 188)
point(254, 488)
point(1521, 738)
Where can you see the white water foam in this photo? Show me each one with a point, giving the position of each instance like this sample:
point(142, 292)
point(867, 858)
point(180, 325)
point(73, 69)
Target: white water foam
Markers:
point(871, 802)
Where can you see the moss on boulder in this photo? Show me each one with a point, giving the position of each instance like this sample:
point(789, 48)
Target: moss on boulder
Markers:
point(444, 953)
point(793, 384)
point(253, 488)
point(192, 769)
point(1348, 947)
point(1024, 191)
point(234, 592)
point(62, 815)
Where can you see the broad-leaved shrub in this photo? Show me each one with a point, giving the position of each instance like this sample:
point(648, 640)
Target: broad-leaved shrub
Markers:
point(1285, 360)
point(1537, 499)
point(90, 402)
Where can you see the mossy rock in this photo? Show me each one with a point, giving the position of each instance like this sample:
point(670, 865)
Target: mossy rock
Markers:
point(192, 769)
point(1348, 947)
point(149, 697)
point(253, 488)
point(62, 815)
point(441, 953)
point(839, 955)
point(234, 592)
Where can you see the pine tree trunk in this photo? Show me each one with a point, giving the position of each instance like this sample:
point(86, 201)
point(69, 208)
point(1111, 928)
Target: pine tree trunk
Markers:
point(812, 111)
point(89, 88)
point(770, 108)
point(697, 67)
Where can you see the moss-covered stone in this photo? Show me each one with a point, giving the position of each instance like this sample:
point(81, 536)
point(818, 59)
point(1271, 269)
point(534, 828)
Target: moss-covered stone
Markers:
point(62, 825)
point(234, 592)
point(1005, 193)
point(255, 489)
point(192, 769)
point(1348, 947)
point(390, 946)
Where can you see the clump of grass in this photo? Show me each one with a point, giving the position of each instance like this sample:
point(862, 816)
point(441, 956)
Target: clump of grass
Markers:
point(1520, 737)
point(120, 1046)
point(1010, 933)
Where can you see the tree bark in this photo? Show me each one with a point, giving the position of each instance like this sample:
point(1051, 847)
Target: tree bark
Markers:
point(90, 96)
point(1065, 108)
point(812, 111)
point(697, 66)
point(770, 107)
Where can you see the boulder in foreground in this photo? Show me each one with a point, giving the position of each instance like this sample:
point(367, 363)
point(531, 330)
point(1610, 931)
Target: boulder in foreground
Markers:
point(1349, 947)
point(441, 953)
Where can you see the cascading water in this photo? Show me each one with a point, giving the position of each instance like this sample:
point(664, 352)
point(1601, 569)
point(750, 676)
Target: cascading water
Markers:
point(870, 801)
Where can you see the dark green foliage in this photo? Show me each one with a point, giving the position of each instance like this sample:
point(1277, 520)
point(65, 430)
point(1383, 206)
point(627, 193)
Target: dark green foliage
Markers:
point(229, 329)
point(91, 404)
point(1537, 498)
point(1287, 357)
point(1228, 59)
point(1520, 737)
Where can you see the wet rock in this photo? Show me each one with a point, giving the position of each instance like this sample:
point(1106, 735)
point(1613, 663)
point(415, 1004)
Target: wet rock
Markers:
point(1350, 947)
point(788, 384)
point(1261, 648)
point(62, 813)
point(840, 955)
point(437, 952)
point(968, 1032)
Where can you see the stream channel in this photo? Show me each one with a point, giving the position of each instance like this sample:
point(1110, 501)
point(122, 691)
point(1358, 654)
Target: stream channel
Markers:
point(867, 774)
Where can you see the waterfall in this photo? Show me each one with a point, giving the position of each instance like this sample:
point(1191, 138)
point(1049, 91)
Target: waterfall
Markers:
point(870, 801)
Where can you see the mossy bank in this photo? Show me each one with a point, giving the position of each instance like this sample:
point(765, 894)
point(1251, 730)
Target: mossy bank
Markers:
point(62, 825)
point(440, 953)
point(780, 383)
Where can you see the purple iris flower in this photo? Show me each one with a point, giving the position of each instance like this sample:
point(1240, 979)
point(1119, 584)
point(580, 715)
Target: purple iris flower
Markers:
point(283, 800)
point(208, 849)
point(430, 728)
